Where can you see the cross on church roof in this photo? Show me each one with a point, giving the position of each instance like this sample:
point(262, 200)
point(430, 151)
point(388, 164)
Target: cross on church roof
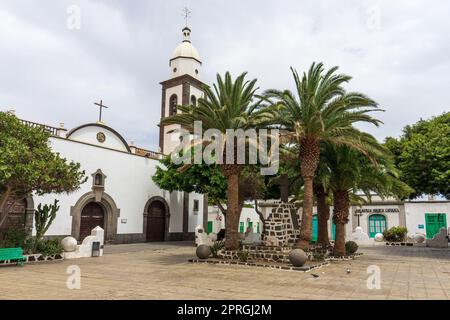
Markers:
point(101, 106)
point(186, 14)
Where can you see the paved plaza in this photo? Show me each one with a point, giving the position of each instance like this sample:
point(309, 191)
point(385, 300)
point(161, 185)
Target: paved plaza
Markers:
point(161, 271)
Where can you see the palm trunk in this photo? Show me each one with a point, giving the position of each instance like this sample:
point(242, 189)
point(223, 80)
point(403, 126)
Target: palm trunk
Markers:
point(306, 224)
point(340, 218)
point(323, 215)
point(261, 217)
point(233, 213)
point(309, 158)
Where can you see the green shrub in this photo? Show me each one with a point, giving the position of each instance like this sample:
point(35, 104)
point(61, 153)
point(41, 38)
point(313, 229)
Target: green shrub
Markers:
point(395, 234)
point(216, 247)
point(243, 255)
point(351, 247)
point(14, 238)
point(49, 247)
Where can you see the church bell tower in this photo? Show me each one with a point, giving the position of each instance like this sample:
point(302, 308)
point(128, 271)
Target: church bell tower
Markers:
point(182, 88)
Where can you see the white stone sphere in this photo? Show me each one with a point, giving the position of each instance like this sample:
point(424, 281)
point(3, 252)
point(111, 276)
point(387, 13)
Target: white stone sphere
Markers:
point(213, 236)
point(69, 244)
point(419, 238)
point(379, 237)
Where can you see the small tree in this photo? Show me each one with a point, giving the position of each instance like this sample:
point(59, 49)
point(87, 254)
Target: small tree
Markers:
point(43, 218)
point(27, 165)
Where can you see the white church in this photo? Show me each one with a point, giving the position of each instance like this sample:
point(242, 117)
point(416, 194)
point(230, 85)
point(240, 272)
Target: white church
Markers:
point(119, 194)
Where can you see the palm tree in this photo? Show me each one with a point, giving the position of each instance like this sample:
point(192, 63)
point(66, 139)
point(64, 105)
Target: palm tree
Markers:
point(229, 105)
point(321, 110)
point(350, 172)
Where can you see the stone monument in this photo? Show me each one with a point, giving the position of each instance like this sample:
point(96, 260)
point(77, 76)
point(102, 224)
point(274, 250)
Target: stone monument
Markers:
point(282, 225)
point(85, 249)
point(201, 237)
point(440, 240)
point(360, 237)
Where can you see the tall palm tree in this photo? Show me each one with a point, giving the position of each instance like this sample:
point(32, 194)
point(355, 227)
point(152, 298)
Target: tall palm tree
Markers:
point(321, 110)
point(229, 105)
point(350, 172)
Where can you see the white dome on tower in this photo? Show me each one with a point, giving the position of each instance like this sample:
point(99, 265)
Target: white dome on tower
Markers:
point(186, 50)
point(185, 59)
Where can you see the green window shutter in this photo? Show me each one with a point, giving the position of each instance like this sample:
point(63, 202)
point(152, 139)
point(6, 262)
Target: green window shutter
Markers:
point(257, 227)
point(333, 231)
point(241, 227)
point(377, 224)
point(314, 228)
point(210, 226)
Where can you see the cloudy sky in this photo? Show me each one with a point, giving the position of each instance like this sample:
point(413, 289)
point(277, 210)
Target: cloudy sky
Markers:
point(396, 51)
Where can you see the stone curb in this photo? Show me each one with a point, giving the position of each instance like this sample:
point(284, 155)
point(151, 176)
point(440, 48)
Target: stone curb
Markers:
point(261, 265)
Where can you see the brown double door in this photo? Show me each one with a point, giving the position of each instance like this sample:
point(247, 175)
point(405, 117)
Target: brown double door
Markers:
point(156, 222)
point(16, 217)
point(92, 216)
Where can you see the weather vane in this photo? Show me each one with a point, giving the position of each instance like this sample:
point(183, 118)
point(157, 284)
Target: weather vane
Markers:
point(186, 14)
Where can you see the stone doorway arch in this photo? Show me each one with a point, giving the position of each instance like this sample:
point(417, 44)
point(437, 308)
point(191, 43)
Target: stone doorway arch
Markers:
point(111, 214)
point(156, 215)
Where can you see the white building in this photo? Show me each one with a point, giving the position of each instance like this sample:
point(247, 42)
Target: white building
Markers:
point(426, 217)
point(249, 219)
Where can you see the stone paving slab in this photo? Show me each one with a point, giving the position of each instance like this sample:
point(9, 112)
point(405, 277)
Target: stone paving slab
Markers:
point(161, 271)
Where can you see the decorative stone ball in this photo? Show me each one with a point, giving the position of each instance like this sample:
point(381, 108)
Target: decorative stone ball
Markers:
point(419, 238)
point(379, 237)
point(297, 257)
point(203, 251)
point(69, 244)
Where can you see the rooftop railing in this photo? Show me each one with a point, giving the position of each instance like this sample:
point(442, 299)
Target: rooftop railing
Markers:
point(53, 130)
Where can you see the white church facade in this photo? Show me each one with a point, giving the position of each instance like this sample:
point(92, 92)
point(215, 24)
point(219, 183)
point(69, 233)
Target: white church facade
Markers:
point(119, 194)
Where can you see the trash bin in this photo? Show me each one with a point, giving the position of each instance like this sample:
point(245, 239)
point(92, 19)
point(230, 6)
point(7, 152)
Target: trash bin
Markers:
point(96, 249)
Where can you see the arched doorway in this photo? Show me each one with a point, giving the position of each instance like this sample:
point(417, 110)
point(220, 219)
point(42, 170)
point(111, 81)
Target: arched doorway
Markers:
point(92, 215)
point(156, 221)
point(377, 224)
point(110, 215)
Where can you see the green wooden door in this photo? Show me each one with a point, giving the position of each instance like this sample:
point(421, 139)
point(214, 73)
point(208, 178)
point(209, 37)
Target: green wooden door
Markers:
point(377, 224)
point(241, 227)
point(434, 222)
point(315, 228)
point(210, 227)
point(250, 225)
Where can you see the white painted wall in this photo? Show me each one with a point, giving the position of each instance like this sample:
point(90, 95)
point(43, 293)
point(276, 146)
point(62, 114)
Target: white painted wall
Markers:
point(88, 134)
point(247, 213)
point(185, 66)
point(415, 214)
point(128, 182)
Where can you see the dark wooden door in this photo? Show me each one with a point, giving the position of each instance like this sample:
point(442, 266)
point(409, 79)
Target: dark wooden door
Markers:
point(16, 217)
point(91, 217)
point(156, 222)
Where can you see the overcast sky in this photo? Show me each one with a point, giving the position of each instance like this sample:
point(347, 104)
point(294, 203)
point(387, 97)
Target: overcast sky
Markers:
point(398, 52)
